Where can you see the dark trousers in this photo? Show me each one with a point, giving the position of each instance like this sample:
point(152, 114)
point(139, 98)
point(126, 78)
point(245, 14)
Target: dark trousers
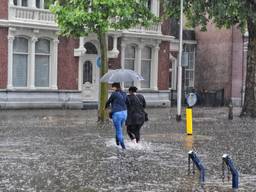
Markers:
point(134, 132)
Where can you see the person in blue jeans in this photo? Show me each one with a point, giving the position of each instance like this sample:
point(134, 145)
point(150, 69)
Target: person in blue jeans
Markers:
point(117, 100)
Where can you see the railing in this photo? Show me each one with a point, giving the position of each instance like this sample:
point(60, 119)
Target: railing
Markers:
point(30, 14)
point(45, 16)
point(151, 29)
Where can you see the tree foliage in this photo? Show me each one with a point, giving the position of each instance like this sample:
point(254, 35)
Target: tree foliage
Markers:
point(225, 13)
point(78, 18)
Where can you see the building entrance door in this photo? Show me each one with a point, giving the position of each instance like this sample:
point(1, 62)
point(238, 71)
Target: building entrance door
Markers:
point(90, 78)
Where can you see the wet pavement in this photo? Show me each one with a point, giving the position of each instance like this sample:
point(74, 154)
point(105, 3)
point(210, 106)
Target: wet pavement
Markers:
point(67, 150)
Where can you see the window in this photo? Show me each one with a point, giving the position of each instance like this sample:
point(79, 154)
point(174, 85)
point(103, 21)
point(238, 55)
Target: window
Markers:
point(87, 72)
point(20, 62)
point(90, 48)
point(146, 66)
point(38, 3)
point(190, 68)
point(129, 62)
point(42, 63)
point(23, 3)
point(171, 74)
point(34, 61)
point(149, 5)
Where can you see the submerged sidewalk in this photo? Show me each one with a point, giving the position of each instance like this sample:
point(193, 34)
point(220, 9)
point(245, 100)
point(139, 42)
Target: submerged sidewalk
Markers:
point(66, 150)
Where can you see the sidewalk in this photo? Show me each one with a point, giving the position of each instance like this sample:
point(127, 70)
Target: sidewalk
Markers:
point(66, 150)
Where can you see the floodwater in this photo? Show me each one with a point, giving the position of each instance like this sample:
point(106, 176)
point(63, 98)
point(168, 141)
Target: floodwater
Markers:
point(67, 150)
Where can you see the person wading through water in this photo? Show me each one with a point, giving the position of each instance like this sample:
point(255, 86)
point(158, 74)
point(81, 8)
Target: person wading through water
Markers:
point(136, 114)
point(118, 111)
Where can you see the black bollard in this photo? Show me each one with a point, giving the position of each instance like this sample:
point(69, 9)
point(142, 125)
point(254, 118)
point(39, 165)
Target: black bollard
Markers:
point(230, 111)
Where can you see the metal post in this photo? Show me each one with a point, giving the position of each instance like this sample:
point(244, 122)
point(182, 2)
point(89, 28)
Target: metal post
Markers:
point(179, 91)
point(233, 170)
point(199, 165)
point(230, 110)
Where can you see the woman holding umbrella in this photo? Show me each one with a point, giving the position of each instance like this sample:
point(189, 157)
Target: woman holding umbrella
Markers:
point(118, 111)
point(118, 98)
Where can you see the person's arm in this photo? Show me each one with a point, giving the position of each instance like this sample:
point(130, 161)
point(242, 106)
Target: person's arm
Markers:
point(143, 101)
point(109, 101)
point(127, 101)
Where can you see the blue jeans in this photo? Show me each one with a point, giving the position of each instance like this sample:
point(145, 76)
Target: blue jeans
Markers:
point(118, 120)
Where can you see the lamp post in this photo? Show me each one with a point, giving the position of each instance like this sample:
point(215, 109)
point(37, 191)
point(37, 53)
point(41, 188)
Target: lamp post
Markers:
point(179, 93)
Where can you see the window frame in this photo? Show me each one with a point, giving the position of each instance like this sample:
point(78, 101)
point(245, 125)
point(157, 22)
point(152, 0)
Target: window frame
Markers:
point(90, 64)
point(130, 59)
point(150, 62)
point(27, 64)
point(190, 69)
point(49, 64)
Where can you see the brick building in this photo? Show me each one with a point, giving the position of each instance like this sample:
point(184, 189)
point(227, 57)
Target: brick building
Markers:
point(38, 68)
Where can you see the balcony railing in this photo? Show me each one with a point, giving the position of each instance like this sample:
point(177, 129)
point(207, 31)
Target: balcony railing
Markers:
point(151, 29)
point(44, 16)
point(31, 15)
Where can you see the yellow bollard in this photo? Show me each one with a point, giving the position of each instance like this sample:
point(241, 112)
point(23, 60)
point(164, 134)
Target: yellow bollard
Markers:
point(189, 121)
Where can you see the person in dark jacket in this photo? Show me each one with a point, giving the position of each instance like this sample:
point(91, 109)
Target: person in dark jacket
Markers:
point(118, 110)
point(136, 114)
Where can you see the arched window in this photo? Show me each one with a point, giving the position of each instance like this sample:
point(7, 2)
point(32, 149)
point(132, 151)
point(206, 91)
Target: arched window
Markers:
point(129, 61)
point(146, 60)
point(20, 62)
point(87, 72)
point(90, 48)
point(42, 63)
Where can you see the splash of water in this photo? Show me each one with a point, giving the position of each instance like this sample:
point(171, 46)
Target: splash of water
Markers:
point(130, 145)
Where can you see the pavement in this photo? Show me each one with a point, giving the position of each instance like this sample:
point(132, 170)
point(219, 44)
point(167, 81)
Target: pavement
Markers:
point(67, 150)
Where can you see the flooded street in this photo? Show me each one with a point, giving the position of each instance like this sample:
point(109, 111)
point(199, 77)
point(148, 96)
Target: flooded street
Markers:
point(66, 150)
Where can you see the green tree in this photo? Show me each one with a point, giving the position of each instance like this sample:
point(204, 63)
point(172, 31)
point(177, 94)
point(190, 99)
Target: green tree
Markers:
point(225, 13)
point(81, 17)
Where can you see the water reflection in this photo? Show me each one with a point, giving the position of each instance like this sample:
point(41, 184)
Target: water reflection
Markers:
point(188, 142)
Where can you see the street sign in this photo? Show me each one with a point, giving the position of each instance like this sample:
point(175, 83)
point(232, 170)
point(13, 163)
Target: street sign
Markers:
point(98, 62)
point(191, 99)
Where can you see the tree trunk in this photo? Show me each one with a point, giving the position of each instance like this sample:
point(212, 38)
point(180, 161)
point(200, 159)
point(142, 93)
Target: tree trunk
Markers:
point(249, 107)
point(102, 113)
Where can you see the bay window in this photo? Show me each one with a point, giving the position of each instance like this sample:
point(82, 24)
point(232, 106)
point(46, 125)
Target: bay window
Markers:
point(32, 63)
